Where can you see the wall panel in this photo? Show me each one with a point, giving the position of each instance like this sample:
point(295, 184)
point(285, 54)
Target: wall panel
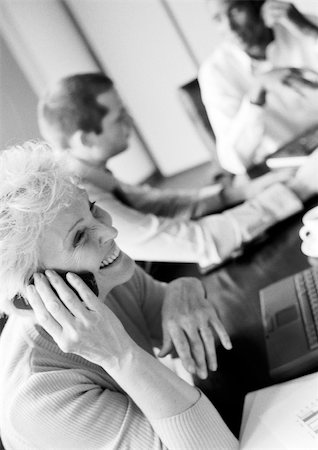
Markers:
point(143, 53)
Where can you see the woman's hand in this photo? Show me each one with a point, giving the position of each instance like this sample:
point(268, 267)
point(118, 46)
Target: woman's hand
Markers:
point(188, 322)
point(79, 324)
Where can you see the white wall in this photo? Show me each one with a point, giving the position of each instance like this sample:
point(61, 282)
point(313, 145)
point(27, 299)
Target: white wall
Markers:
point(17, 102)
point(194, 21)
point(140, 49)
point(43, 39)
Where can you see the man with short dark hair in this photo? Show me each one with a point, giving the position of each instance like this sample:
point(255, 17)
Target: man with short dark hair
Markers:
point(259, 86)
point(85, 120)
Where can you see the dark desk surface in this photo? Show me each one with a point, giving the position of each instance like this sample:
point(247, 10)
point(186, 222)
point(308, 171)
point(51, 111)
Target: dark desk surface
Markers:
point(235, 291)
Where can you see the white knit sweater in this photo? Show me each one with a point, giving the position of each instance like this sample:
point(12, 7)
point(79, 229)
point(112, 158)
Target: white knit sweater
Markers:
point(53, 400)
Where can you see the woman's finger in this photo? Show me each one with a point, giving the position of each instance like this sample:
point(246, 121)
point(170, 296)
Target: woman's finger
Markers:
point(198, 352)
point(44, 318)
point(51, 302)
point(221, 332)
point(72, 302)
point(209, 344)
point(85, 293)
point(182, 347)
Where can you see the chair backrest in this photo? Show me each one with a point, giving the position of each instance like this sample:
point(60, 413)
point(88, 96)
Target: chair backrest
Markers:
point(3, 320)
point(191, 97)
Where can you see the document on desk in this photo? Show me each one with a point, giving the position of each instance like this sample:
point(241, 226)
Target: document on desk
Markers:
point(283, 416)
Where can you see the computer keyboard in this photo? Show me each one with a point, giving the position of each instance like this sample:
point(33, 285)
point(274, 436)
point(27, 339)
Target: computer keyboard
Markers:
point(306, 284)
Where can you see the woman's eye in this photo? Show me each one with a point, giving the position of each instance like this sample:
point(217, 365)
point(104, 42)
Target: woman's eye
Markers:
point(78, 238)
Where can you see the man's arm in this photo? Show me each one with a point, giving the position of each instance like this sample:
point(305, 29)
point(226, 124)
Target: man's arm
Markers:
point(198, 202)
point(237, 122)
point(175, 203)
point(146, 237)
point(207, 241)
point(212, 239)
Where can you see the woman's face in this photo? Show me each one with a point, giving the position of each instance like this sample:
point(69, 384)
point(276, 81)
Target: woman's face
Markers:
point(81, 239)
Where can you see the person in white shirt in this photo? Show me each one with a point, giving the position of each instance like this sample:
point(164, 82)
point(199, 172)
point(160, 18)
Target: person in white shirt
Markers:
point(255, 99)
point(86, 122)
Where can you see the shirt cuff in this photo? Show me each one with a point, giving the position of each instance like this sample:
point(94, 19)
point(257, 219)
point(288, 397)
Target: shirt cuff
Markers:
point(274, 204)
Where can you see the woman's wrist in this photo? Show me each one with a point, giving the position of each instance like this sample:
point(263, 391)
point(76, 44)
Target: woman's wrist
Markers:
point(157, 390)
point(123, 360)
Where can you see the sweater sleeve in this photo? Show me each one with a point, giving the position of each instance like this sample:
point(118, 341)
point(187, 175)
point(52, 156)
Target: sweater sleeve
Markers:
point(199, 427)
point(68, 409)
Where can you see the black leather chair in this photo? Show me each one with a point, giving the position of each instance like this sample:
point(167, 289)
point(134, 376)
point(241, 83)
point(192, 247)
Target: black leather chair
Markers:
point(190, 96)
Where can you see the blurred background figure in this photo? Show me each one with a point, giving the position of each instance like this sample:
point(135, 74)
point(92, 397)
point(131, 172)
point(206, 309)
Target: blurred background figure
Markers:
point(84, 119)
point(260, 86)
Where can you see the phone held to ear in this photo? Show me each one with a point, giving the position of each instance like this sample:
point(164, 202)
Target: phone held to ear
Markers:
point(21, 303)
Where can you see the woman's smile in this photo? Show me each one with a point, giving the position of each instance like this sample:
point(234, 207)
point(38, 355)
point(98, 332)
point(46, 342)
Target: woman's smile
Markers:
point(111, 257)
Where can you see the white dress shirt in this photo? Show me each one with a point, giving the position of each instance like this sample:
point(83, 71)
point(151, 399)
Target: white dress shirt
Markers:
point(245, 133)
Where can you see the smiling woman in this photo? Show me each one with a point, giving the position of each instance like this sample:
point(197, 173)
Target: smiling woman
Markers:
point(78, 370)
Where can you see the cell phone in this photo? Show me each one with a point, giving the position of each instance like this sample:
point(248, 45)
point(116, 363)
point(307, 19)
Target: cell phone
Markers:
point(21, 303)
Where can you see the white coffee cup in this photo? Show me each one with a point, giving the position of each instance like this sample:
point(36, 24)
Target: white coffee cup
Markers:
point(309, 233)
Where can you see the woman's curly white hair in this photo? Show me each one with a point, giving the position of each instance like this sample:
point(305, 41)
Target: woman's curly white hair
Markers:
point(33, 188)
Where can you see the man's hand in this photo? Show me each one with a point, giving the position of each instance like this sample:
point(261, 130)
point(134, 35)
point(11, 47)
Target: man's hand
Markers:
point(268, 81)
point(276, 11)
point(243, 188)
point(304, 82)
point(305, 182)
point(188, 322)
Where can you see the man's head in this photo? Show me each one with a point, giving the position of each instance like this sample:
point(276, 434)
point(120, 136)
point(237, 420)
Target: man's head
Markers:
point(243, 21)
point(84, 115)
